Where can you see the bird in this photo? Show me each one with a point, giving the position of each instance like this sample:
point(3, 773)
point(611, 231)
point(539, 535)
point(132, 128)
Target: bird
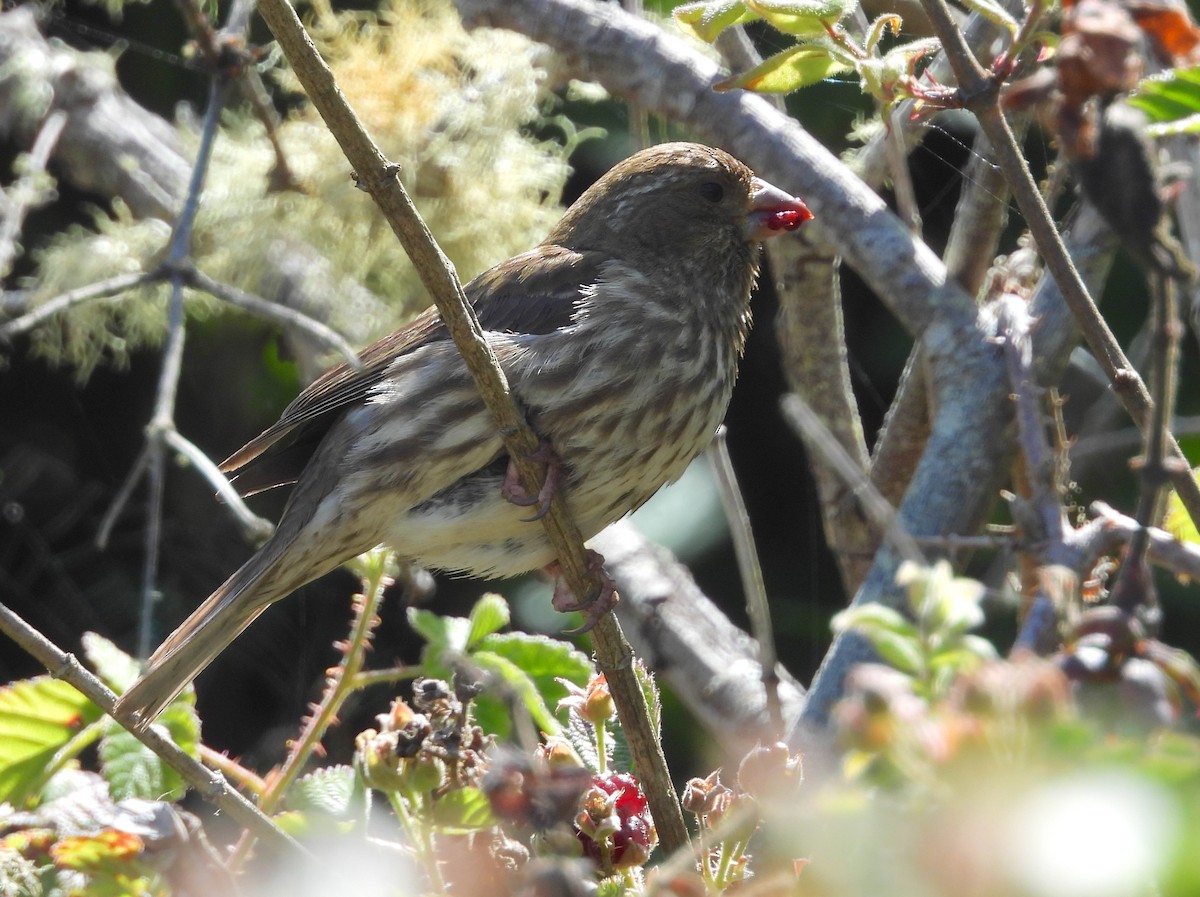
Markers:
point(620, 336)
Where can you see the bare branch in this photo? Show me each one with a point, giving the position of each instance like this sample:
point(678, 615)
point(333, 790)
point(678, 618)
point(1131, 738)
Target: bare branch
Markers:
point(25, 193)
point(1181, 558)
point(323, 334)
point(56, 305)
point(256, 528)
point(753, 586)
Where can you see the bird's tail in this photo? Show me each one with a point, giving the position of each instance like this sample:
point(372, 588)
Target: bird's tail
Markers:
point(209, 630)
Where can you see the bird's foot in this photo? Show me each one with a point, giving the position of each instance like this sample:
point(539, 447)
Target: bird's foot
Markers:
point(565, 602)
point(515, 493)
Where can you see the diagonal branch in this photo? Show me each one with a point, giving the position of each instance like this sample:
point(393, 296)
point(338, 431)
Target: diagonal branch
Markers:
point(209, 783)
point(378, 177)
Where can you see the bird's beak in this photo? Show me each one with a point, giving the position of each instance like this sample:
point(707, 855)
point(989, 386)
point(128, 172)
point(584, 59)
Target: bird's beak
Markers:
point(772, 211)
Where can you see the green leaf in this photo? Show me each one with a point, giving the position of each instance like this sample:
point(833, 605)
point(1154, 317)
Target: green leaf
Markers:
point(489, 615)
point(873, 616)
point(994, 13)
point(1188, 125)
point(904, 654)
point(1169, 96)
point(462, 811)
point(114, 666)
point(37, 718)
point(528, 665)
point(705, 20)
point(785, 72)
point(334, 791)
point(945, 603)
point(442, 633)
point(133, 770)
point(620, 755)
point(1178, 522)
point(803, 18)
point(882, 24)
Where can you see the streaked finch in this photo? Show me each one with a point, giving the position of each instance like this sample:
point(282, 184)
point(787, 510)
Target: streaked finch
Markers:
point(620, 336)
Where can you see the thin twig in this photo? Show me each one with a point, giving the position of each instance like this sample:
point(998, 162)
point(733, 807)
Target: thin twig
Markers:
point(256, 529)
point(210, 784)
point(757, 606)
point(1181, 558)
point(1041, 517)
point(379, 177)
point(1120, 442)
point(24, 193)
point(896, 146)
point(163, 418)
point(64, 301)
point(121, 499)
point(1129, 592)
point(279, 314)
point(806, 423)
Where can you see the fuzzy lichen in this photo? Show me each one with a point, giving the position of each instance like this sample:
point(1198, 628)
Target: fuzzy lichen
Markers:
point(452, 108)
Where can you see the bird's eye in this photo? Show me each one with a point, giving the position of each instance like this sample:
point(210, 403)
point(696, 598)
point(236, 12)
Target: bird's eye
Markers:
point(712, 191)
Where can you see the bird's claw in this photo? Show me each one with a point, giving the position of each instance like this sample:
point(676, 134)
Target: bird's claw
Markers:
point(513, 492)
point(565, 602)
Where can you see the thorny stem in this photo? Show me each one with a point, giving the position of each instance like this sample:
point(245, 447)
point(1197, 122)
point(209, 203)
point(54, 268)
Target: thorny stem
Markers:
point(244, 778)
point(379, 177)
point(340, 683)
point(980, 94)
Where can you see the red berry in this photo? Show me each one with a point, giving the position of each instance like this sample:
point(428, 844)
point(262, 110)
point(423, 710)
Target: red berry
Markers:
point(788, 219)
point(616, 813)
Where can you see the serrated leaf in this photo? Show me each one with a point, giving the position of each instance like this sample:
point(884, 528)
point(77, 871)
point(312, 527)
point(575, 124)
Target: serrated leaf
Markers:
point(620, 757)
point(462, 811)
point(528, 665)
point(37, 718)
point(114, 666)
point(787, 71)
point(489, 615)
point(1187, 125)
point(87, 852)
point(707, 19)
point(582, 737)
point(133, 770)
point(803, 18)
point(334, 791)
point(541, 660)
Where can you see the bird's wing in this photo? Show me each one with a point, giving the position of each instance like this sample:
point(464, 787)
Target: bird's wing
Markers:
point(535, 292)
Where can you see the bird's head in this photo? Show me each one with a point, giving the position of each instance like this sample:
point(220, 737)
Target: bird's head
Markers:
point(679, 199)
